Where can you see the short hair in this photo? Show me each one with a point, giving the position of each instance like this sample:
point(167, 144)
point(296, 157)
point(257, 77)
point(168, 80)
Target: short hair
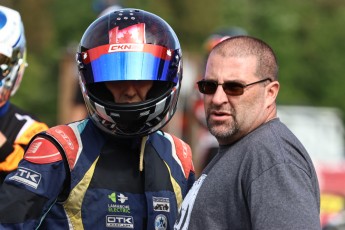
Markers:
point(242, 46)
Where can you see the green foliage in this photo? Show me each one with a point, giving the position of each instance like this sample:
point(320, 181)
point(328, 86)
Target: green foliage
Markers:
point(38, 91)
point(71, 18)
point(306, 35)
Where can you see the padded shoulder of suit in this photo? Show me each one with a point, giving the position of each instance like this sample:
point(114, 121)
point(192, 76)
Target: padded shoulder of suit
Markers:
point(184, 153)
point(42, 150)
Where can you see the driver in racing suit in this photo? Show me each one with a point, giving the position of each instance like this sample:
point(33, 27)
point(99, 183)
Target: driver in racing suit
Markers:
point(114, 169)
point(17, 126)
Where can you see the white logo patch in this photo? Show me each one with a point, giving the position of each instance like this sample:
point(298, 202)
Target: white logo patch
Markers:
point(161, 204)
point(117, 221)
point(27, 177)
point(161, 222)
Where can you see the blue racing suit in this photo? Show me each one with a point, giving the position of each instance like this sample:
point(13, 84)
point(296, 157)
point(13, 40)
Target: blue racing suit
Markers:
point(77, 177)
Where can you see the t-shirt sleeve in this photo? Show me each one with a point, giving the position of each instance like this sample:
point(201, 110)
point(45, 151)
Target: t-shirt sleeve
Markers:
point(283, 197)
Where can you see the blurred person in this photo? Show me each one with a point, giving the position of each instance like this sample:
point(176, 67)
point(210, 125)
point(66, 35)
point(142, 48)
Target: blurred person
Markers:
point(114, 169)
point(17, 126)
point(262, 177)
point(207, 146)
point(78, 110)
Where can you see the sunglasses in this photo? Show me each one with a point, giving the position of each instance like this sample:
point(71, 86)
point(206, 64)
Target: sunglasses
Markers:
point(230, 88)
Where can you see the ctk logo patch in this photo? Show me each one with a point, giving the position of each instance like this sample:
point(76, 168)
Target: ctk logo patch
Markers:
point(27, 177)
point(117, 221)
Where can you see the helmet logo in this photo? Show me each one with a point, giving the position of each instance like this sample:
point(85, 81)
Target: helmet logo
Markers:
point(3, 19)
point(131, 34)
point(84, 55)
point(125, 47)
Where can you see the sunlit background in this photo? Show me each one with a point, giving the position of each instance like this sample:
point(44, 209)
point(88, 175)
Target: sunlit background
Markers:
point(307, 36)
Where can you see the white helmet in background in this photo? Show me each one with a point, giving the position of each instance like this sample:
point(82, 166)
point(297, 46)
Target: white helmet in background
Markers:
point(12, 53)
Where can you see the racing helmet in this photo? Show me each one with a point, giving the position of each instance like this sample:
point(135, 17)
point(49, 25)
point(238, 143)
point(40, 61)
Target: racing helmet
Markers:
point(126, 45)
point(12, 53)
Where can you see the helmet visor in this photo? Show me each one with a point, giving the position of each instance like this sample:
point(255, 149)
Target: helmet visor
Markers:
point(4, 66)
point(111, 63)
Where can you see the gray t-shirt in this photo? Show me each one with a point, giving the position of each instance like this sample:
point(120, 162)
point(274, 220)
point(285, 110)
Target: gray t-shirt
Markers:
point(266, 180)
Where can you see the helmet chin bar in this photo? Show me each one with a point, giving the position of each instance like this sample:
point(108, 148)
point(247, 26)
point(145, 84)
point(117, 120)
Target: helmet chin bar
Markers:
point(135, 130)
point(129, 123)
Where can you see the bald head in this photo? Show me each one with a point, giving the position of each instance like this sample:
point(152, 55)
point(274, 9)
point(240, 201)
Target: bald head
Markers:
point(243, 46)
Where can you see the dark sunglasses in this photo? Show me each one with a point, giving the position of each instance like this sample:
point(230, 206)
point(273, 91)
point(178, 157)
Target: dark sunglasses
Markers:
point(230, 88)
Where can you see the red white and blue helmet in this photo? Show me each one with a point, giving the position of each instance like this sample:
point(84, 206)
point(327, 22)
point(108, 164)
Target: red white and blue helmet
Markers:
point(130, 44)
point(12, 53)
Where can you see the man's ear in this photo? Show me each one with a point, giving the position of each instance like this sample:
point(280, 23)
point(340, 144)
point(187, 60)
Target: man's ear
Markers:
point(272, 90)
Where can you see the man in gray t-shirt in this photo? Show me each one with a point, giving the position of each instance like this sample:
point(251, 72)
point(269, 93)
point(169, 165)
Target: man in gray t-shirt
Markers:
point(262, 176)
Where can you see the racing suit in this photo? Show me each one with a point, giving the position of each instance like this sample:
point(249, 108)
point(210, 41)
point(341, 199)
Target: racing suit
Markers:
point(18, 127)
point(76, 177)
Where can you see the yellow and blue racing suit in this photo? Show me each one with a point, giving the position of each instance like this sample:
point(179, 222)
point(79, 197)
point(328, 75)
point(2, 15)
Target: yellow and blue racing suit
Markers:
point(76, 177)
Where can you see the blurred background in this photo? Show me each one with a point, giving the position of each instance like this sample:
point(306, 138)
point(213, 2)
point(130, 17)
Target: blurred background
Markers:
point(307, 36)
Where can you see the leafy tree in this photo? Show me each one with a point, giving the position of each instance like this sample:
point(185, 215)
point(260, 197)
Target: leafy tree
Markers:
point(306, 35)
